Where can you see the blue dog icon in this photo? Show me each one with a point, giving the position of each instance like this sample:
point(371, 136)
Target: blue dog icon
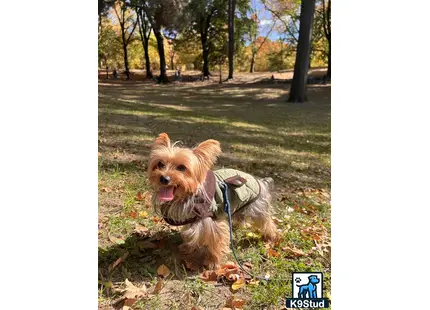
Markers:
point(309, 289)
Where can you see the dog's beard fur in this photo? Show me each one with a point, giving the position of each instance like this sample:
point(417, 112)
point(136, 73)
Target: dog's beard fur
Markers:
point(179, 210)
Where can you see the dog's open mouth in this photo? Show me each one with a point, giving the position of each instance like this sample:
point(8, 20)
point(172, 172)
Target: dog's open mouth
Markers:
point(166, 193)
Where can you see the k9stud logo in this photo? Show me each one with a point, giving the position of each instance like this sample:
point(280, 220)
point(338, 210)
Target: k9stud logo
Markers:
point(307, 291)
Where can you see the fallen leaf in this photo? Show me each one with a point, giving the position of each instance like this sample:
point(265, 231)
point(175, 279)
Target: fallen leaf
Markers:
point(156, 219)
point(197, 308)
point(128, 303)
point(294, 252)
point(133, 292)
point(107, 189)
point(238, 284)
point(139, 196)
point(117, 262)
point(162, 270)
point(234, 303)
point(238, 303)
point(273, 253)
point(158, 286)
point(253, 282)
point(227, 269)
point(132, 214)
point(140, 229)
point(252, 235)
point(143, 214)
point(209, 275)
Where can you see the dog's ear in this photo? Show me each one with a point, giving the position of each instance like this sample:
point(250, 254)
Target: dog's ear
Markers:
point(162, 140)
point(208, 152)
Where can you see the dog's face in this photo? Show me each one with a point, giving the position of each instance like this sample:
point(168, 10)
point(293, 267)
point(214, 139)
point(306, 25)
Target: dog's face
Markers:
point(314, 279)
point(177, 172)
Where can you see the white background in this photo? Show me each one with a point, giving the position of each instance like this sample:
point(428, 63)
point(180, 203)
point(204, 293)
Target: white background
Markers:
point(48, 153)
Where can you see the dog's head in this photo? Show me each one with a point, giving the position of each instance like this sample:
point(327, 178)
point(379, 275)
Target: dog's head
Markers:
point(177, 172)
point(314, 279)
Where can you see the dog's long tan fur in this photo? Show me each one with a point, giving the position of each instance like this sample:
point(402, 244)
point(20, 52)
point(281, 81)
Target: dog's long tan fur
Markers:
point(206, 240)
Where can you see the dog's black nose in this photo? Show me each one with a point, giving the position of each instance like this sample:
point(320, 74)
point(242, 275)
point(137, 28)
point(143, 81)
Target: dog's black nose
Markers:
point(164, 180)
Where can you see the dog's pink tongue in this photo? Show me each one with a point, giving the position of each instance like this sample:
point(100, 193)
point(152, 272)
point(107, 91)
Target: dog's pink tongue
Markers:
point(165, 193)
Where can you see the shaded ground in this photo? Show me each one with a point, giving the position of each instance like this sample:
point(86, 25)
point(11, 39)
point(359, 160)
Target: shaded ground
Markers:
point(259, 133)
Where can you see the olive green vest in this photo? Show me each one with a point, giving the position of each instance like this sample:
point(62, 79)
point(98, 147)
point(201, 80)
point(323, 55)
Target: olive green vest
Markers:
point(238, 195)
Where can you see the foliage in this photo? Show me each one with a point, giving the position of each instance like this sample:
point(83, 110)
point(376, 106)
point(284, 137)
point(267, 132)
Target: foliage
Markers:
point(183, 23)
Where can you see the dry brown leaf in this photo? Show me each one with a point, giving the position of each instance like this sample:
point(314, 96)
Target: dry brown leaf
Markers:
point(238, 284)
point(273, 253)
point(238, 303)
point(163, 270)
point(234, 303)
point(197, 308)
point(155, 219)
point(294, 252)
point(209, 276)
point(128, 303)
point(132, 214)
point(140, 229)
point(117, 262)
point(107, 189)
point(228, 269)
point(133, 292)
point(139, 196)
point(158, 287)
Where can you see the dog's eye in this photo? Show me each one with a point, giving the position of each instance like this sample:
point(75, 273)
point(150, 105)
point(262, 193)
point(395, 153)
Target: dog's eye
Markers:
point(160, 165)
point(181, 168)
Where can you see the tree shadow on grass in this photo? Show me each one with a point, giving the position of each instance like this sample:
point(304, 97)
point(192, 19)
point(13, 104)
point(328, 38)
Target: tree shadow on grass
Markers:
point(145, 255)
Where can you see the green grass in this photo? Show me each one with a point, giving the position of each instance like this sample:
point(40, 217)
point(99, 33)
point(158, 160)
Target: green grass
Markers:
point(259, 133)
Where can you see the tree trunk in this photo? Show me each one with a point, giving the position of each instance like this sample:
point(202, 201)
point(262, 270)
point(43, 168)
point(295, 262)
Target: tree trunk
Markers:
point(252, 69)
point(220, 72)
point(299, 85)
point(147, 62)
point(124, 47)
point(231, 11)
point(160, 45)
point(329, 60)
point(171, 61)
point(205, 49)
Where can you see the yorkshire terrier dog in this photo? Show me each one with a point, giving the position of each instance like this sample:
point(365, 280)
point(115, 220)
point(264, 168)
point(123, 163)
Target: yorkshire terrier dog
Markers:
point(188, 193)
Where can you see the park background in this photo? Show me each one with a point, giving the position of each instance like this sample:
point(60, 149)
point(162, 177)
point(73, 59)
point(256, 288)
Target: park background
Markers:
point(49, 140)
point(262, 88)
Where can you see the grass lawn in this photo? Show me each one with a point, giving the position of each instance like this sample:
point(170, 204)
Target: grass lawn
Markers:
point(260, 133)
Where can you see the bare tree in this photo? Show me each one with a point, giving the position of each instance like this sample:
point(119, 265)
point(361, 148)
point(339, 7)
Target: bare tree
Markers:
point(126, 21)
point(145, 32)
